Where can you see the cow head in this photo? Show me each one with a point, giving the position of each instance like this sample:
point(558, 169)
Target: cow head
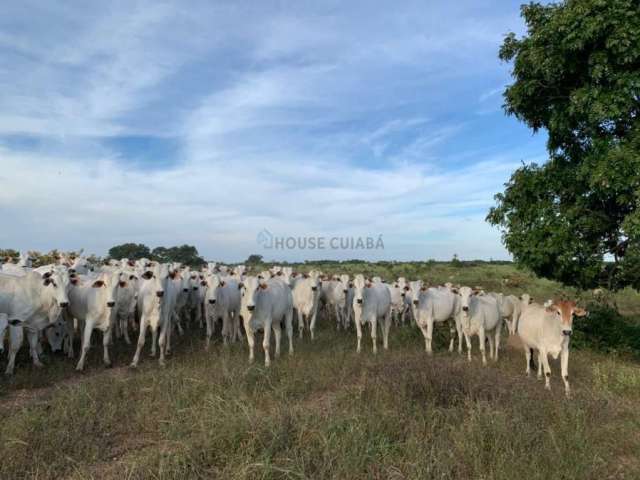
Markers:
point(564, 311)
point(248, 289)
point(55, 287)
point(358, 286)
point(466, 293)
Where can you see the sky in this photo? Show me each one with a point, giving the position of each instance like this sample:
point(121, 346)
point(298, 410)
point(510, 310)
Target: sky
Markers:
point(209, 122)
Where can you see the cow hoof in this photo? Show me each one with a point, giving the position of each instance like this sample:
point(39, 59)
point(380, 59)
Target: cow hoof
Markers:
point(38, 364)
point(108, 365)
point(79, 368)
point(133, 365)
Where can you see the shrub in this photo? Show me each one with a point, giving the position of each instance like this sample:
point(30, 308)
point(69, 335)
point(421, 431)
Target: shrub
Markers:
point(605, 329)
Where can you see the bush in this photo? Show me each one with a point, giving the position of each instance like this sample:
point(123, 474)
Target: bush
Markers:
point(605, 329)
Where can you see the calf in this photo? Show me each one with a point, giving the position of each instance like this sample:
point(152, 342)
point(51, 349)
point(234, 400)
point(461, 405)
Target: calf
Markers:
point(479, 315)
point(509, 306)
point(548, 330)
point(264, 305)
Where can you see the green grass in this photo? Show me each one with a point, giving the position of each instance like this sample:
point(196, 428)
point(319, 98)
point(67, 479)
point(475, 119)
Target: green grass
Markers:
point(326, 412)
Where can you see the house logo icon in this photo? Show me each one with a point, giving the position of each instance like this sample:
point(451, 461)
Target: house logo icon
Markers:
point(265, 238)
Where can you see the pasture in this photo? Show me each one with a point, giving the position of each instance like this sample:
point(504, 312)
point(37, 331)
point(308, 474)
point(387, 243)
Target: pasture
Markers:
point(328, 412)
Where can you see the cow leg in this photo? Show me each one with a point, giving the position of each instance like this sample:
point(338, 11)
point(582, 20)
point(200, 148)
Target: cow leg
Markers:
point(288, 323)
point(423, 329)
point(141, 339)
point(300, 317)
point(540, 365)
point(209, 320)
point(547, 369)
point(277, 332)
point(266, 343)
point(491, 346)
point(32, 338)
point(374, 339)
point(70, 334)
point(125, 329)
point(482, 339)
point(336, 310)
point(385, 333)
point(359, 334)
point(467, 339)
point(86, 343)
point(250, 340)
point(154, 339)
point(452, 334)
point(312, 323)
point(458, 325)
point(564, 365)
point(498, 335)
point(16, 336)
point(236, 327)
point(429, 336)
point(527, 356)
point(162, 340)
point(226, 328)
point(106, 341)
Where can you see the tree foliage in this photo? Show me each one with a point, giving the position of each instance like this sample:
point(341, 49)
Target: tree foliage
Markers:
point(185, 254)
point(577, 75)
point(132, 251)
point(254, 259)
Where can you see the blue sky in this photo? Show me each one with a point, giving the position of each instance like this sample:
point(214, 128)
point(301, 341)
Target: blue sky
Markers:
point(156, 123)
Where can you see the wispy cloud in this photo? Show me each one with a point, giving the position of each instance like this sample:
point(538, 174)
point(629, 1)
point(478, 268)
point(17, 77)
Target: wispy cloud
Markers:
point(317, 118)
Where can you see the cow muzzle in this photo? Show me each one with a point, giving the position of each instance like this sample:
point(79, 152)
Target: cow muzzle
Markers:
point(465, 309)
point(251, 308)
point(212, 302)
point(359, 301)
point(346, 291)
point(415, 302)
point(64, 304)
point(314, 288)
point(567, 333)
point(185, 290)
point(111, 304)
point(160, 294)
point(195, 289)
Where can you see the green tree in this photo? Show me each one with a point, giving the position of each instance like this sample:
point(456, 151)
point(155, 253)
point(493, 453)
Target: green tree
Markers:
point(132, 251)
point(254, 259)
point(185, 254)
point(577, 75)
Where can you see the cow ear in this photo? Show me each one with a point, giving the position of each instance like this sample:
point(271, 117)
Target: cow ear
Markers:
point(240, 285)
point(46, 275)
point(455, 290)
point(47, 281)
point(580, 312)
point(98, 284)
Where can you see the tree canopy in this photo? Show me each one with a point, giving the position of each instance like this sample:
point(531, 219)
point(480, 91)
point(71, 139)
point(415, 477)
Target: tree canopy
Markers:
point(577, 75)
point(185, 254)
point(132, 251)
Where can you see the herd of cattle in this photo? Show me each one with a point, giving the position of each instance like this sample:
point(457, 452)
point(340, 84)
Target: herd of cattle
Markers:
point(53, 302)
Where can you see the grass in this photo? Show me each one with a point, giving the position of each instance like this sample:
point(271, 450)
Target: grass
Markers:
point(326, 412)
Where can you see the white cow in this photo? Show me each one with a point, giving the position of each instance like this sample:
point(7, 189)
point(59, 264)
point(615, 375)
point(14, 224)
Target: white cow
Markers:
point(397, 301)
point(372, 304)
point(91, 302)
point(333, 294)
point(479, 315)
point(436, 305)
point(125, 309)
point(223, 301)
point(264, 305)
point(150, 293)
point(509, 306)
point(305, 301)
point(548, 330)
point(31, 302)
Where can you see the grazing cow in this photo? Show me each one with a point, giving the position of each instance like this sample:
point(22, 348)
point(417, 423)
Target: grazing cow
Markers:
point(150, 293)
point(436, 305)
point(305, 301)
point(548, 330)
point(372, 304)
point(265, 304)
point(223, 301)
point(31, 302)
point(91, 301)
point(479, 315)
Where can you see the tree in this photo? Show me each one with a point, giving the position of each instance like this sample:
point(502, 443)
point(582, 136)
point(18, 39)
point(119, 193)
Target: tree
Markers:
point(577, 75)
point(254, 259)
point(185, 254)
point(132, 251)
